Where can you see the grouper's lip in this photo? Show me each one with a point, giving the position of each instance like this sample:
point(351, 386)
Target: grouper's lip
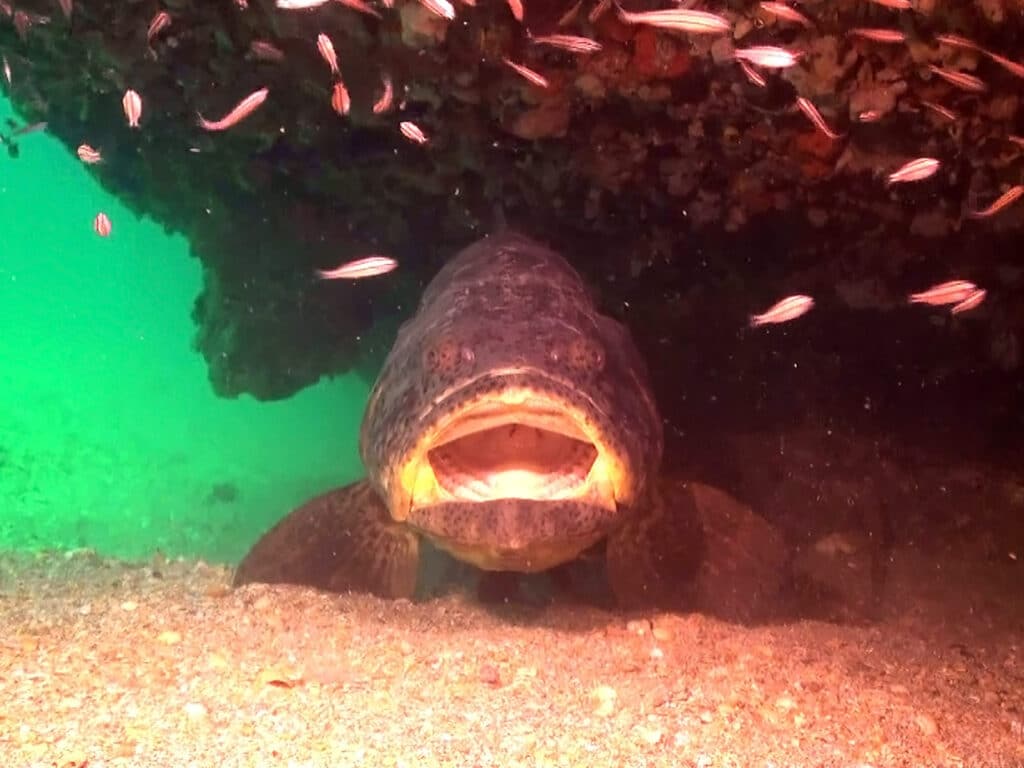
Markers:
point(516, 432)
point(513, 534)
point(519, 395)
point(513, 377)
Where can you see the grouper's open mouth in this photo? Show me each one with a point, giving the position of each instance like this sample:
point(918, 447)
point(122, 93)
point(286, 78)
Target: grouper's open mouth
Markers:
point(514, 475)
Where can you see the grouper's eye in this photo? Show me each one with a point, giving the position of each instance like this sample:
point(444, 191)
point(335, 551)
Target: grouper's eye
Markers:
point(444, 357)
point(585, 356)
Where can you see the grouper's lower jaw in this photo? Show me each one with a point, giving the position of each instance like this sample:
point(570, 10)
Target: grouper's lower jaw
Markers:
point(523, 535)
point(515, 475)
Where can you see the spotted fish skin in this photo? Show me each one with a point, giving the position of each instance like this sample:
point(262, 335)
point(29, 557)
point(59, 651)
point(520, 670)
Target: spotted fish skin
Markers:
point(507, 313)
point(513, 426)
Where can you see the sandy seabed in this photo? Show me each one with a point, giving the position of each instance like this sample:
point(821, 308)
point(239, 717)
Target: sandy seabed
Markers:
point(104, 663)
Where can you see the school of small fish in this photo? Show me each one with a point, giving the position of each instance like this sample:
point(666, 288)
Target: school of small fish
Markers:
point(962, 295)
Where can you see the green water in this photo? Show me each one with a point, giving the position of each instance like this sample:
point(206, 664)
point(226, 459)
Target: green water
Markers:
point(110, 435)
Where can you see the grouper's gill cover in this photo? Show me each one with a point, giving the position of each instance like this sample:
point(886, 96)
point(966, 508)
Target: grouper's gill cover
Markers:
point(509, 315)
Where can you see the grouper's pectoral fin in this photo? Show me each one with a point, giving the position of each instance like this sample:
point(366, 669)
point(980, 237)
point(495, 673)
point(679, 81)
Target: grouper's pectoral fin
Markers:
point(653, 559)
point(342, 540)
point(697, 548)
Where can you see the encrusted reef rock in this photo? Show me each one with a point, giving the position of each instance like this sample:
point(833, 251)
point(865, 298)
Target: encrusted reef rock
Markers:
point(691, 191)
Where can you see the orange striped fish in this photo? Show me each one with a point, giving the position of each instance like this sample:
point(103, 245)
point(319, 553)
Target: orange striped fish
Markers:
point(242, 110)
point(679, 20)
point(970, 302)
point(808, 108)
point(363, 7)
point(768, 56)
point(752, 74)
point(160, 22)
point(340, 100)
point(596, 13)
point(413, 132)
point(898, 5)
point(368, 266)
point(1010, 196)
point(1015, 69)
point(326, 48)
point(961, 80)
point(783, 311)
point(383, 104)
point(786, 13)
point(957, 41)
point(570, 43)
point(939, 109)
point(441, 8)
point(132, 104)
point(526, 73)
point(950, 292)
point(915, 170)
point(88, 155)
point(878, 35)
point(101, 225)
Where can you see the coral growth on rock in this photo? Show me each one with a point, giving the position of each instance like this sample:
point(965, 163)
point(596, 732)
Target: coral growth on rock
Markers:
point(680, 185)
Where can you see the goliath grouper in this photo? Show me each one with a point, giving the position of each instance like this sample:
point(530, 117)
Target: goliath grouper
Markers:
point(512, 426)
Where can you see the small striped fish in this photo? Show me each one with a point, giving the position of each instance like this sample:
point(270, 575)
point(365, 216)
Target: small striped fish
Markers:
point(787, 309)
point(368, 266)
